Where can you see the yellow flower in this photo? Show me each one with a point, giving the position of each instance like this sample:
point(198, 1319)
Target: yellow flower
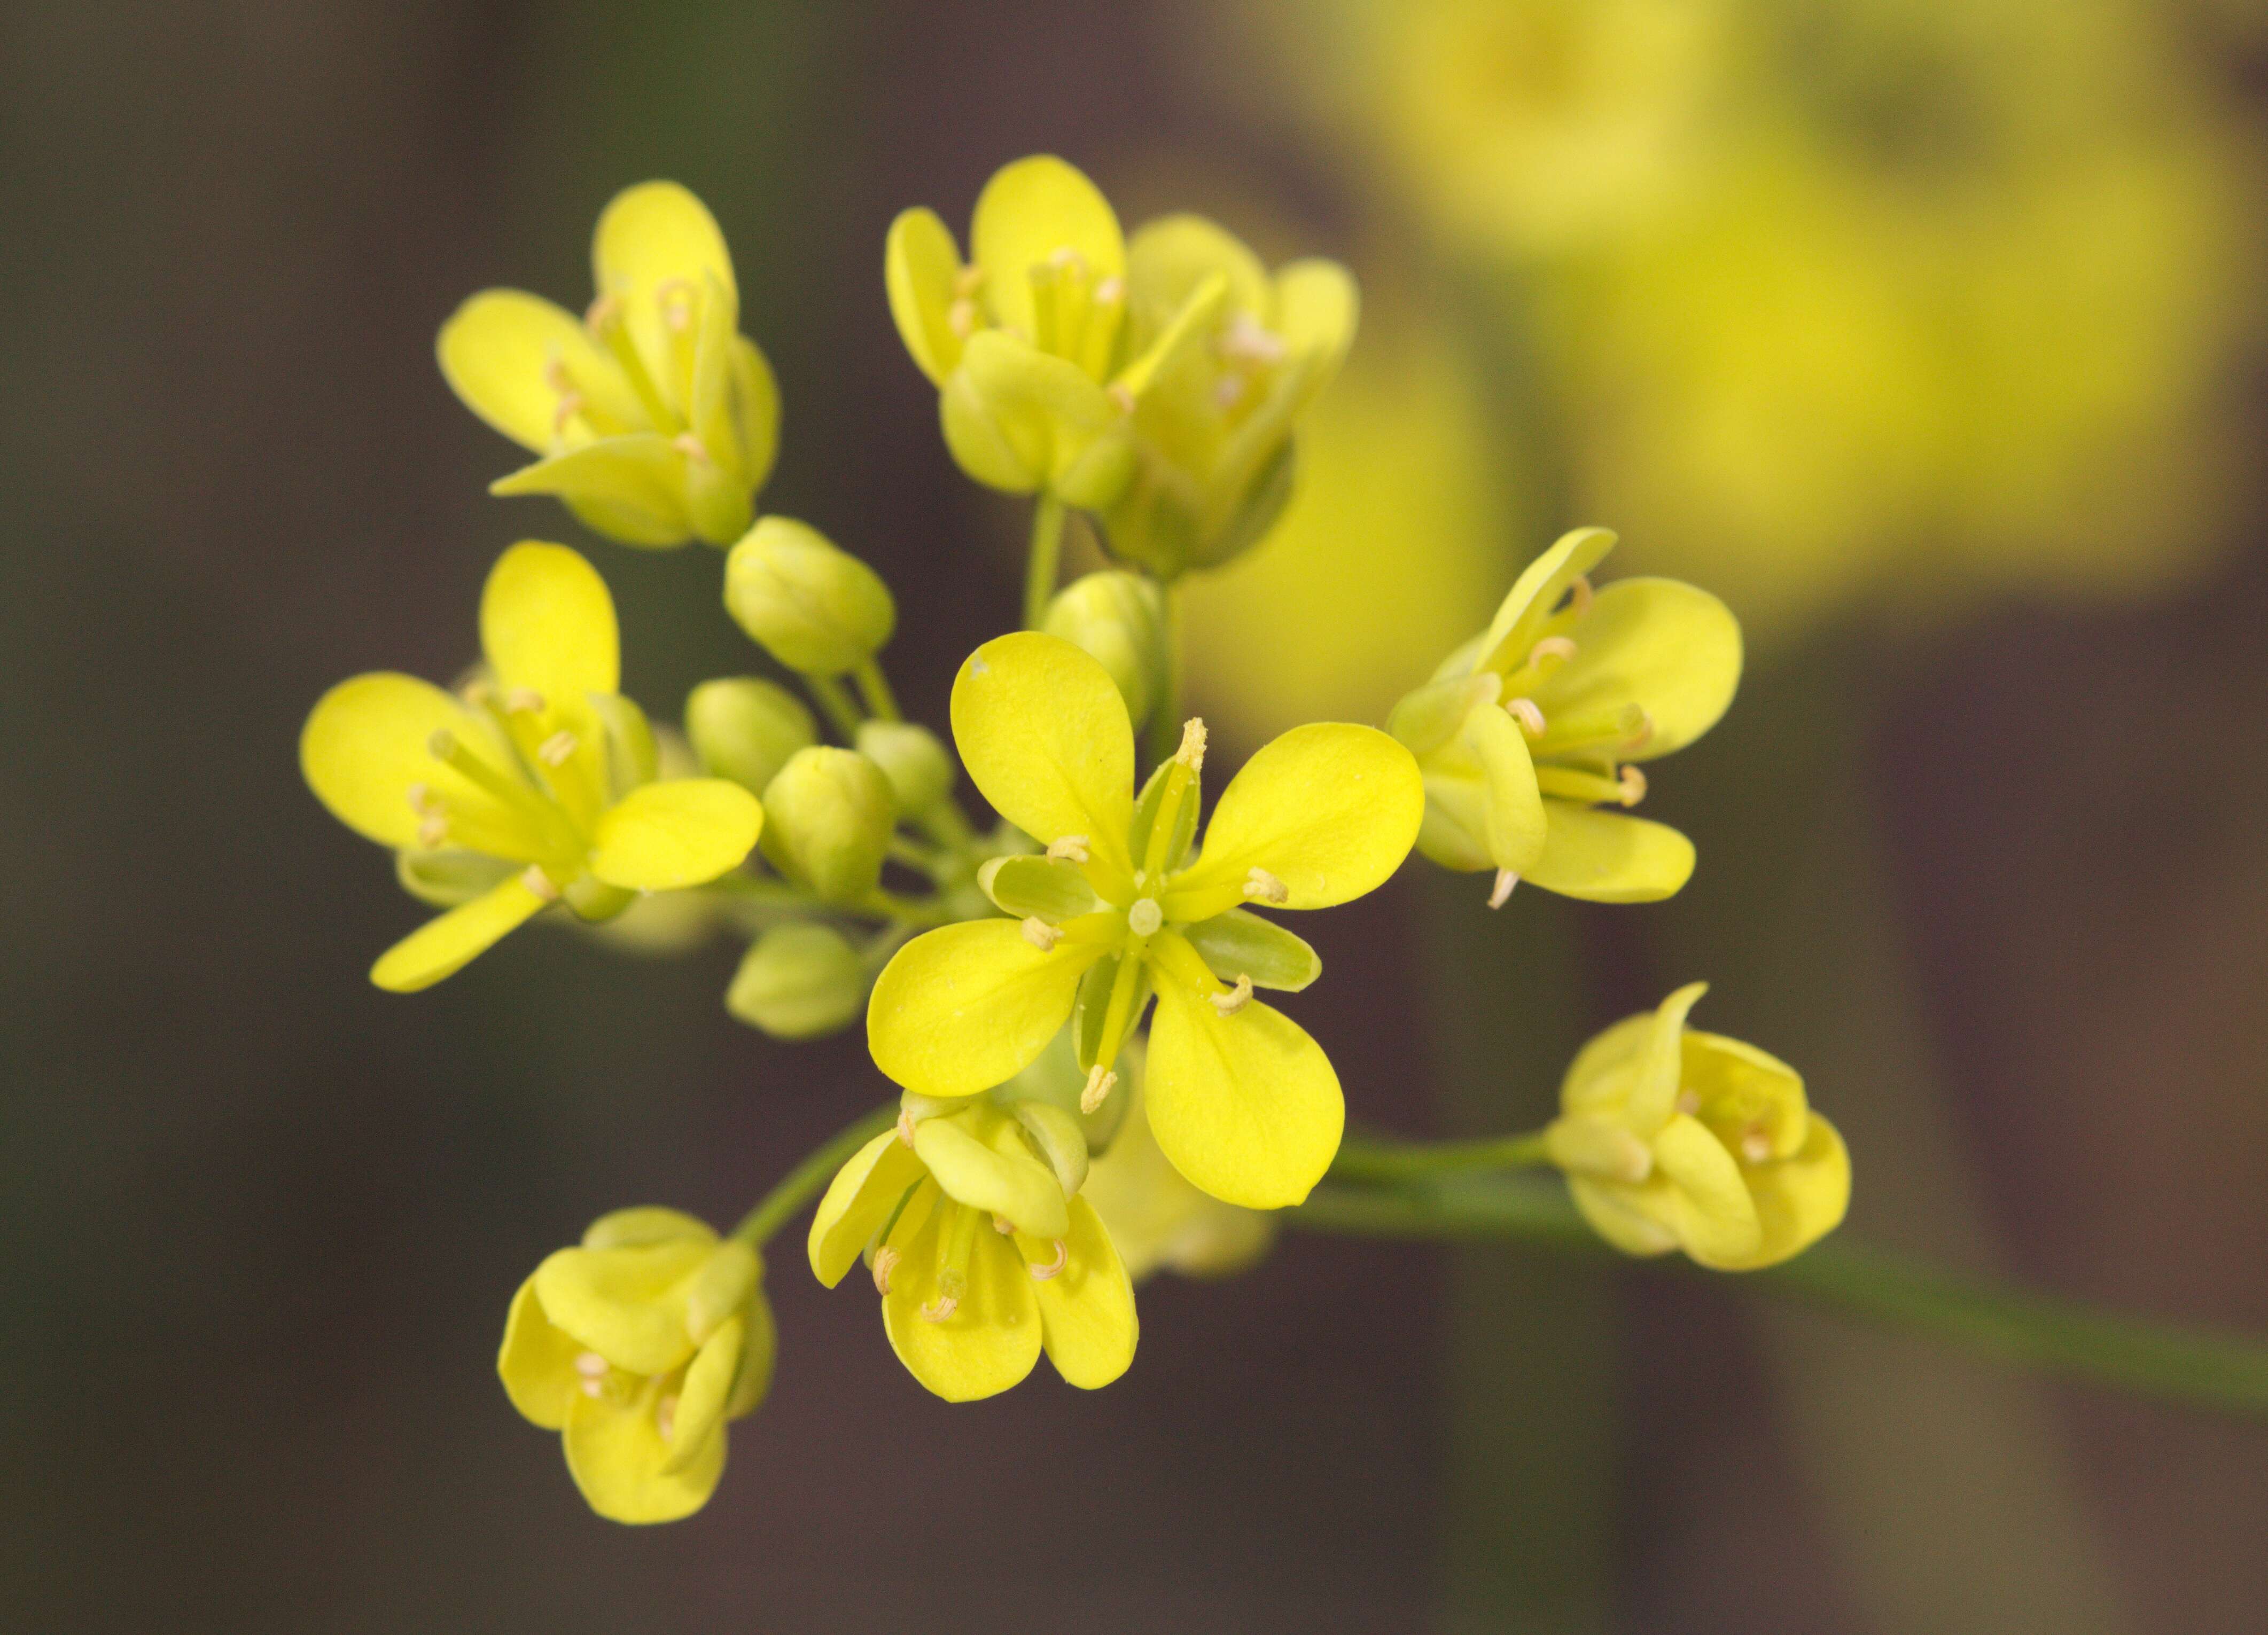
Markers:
point(1242, 1100)
point(1526, 730)
point(1160, 1222)
point(1677, 1140)
point(655, 418)
point(639, 1345)
point(983, 1253)
point(537, 782)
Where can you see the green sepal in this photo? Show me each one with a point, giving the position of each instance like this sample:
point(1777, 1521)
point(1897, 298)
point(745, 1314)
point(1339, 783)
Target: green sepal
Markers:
point(450, 879)
point(1241, 944)
point(1045, 887)
point(1145, 818)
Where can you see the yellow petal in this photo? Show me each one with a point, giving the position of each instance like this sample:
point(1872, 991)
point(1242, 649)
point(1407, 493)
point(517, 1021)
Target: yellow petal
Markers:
point(1511, 806)
point(616, 1455)
point(980, 1174)
point(442, 947)
point(1029, 211)
point(699, 1414)
point(1745, 1092)
point(630, 488)
point(368, 742)
point(1520, 617)
point(1318, 306)
point(497, 352)
point(992, 1337)
point(1087, 1309)
point(1048, 410)
point(1621, 1214)
point(1657, 1069)
point(1799, 1200)
point(1012, 459)
point(548, 623)
point(962, 1009)
point(629, 1304)
point(1605, 1071)
point(1716, 1219)
point(1329, 810)
point(858, 1201)
point(1245, 1106)
point(1670, 647)
point(649, 235)
point(687, 832)
point(756, 406)
point(1156, 1219)
point(759, 1355)
point(644, 1223)
point(1168, 259)
point(1043, 732)
point(920, 263)
point(1607, 857)
point(536, 1361)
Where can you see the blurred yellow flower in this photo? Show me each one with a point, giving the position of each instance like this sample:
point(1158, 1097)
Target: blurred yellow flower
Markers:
point(1160, 1222)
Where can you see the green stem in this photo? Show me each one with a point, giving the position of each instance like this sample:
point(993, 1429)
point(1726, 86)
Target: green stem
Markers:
point(1042, 566)
point(914, 854)
point(2174, 1363)
point(874, 687)
point(803, 1183)
point(914, 911)
point(751, 889)
point(836, 702)
point(1362, 1160)
point(1164, 729)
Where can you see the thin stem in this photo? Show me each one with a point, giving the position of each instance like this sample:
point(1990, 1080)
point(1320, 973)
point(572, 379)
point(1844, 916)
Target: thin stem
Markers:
point(753, 889)
point(1362, 1160)
point(914, 854)
point(2172, 1362)
point(798, 1187)
point(914, 911)
point(1164, 729)
point(1042, 566)
point(874, 687)
point(835, 702)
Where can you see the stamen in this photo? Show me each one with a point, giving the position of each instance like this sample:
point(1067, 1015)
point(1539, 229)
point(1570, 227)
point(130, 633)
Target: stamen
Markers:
point(1633, 782)
point(674, 297)
point(967, 282)
point(1145, 918)
point(1122, 395)
point(665, 1418)
point(1260, 886)
point(570, 405)
point(1245, 339)
point(1226, 391)
point(555, 750)
point(555, 376)
point(1099, 1081)
point(1067, 848)
point(1501, 893)
point(1756, 1146)
point(1040, 935)
point(943, 1307)
point(885, 1261)
point(962, 317)
point(1005, 1226)
point(1689, 1101)
point(905, 1126)
point(1529, 717)
point(524, 701)
point(1041, 1274)
point(690, 446)
point(1237, 998)
point(540, 882)
point(591, 1365)
point(1552, 646)
point(601, 313)
point(1191, 752)
point(594, 1389)
point(424, 803)
point(432, 832)
point(1644, 734)
point(1111, 289)
point(1069, 260)
point(1581, 589)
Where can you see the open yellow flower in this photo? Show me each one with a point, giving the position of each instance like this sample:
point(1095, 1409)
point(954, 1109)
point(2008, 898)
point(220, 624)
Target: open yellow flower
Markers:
point(1241, 1099)
point(638, 1347)
point(983, 1254)
point(1673, 1138)
point(655, 418)
point(1527, 731)
point(535, 782)
point(1160, 1222)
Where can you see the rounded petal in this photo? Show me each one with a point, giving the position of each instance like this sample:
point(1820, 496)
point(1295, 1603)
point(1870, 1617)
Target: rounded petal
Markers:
point(1511, 806)
point(618, 1456)
point(756, 406)
point(1519, 617)
point(1799, 1200)
point(629, 1305)
point(1609, 857)
point(1605, 1070)
point(858, 1199)
point(982, 444)
point(920, 263)
point(548, 623)
point(1245, 1106)
point(1670, 647)
point(963, 1007)
point(1658, 1068)
point(1028, 211)
point(1043, 732)
point(1169, 259)
point(644, 1223)
point(1745, 1091)
point(1617, 1213)
point(1045, 408)
point(1330, 810)
point(1716, 1219)
point(368, 743)
point(650, 235)
point(441, 948)
point(990, 1340)
point(998, 1179)
point(1318, 306)
point(699, 1414)
point(496, 351)
point(1086, 1308)
point(536, 1361)
point(664, 836)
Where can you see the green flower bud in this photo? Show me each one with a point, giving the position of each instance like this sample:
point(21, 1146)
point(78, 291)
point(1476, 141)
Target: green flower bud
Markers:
point(816, 609)
point(827, 821)
point(1114, 617)
point(802, 979)
point(746, 729)
point(919, 768)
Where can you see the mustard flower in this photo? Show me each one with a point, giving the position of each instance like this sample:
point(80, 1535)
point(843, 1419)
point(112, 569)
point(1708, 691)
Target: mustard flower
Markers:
point(655, 419)
point(638, 1345)
point(535, 782)
point(1160, 1222)
point(1528, 731)
point(981, 1250)
point(1673, 1138)
point(1242, 1100)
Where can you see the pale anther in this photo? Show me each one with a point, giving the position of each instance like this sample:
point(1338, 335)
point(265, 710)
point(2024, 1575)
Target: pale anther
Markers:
point(1005, 1226)
point(690, 446)
point(555, 372)
point(1111, 289)
point(1688, 1103)
point(1260, 886)
point(967, 282)
point(665, 1417)
point(555, 750)
point(1644, 735)
point(885, 1261)
point(1633, 783)
point(1122, 395)
point(1040, 935)
point(1191, 752)
point(1236, 999)
point(1041, 1274)
point(432, 832)
point(524, 701)
point(1069, 260)
point(1070, 848)
point(539, 883)
point(674, 297)
point(424, 801)
point(594, 1389)
point(1524, 712)
point(1581, 588)
point(1501, 893)
point(1099, 1081)
point(1552, 646)
point(962, 317)
point(1755, 1147)
point(1145, 918)
point(939, 1309)
point(570, 404)
point(1245, 338)
point(905, 1127)
point(591, 1365)
point(601, 312)
point(1228, 390)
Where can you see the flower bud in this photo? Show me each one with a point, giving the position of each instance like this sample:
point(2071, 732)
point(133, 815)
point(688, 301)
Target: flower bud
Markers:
point(816, 609)
point(1114, 617)
point(746, 729)
point(829, 815)
point(802, 979)
point(917, 766)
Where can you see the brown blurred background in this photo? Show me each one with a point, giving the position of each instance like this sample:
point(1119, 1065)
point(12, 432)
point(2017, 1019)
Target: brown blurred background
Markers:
point(1939, 355)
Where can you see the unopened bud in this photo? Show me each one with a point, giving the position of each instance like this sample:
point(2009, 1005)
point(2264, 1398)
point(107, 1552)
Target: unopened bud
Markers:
point(828, 820)
point(917, 766)
point(746, 729)
point(816, 609)
point(1114, 617)
point(802, 979)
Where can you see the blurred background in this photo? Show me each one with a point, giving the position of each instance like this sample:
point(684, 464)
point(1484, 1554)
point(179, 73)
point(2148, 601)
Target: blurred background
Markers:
point(1926, 331)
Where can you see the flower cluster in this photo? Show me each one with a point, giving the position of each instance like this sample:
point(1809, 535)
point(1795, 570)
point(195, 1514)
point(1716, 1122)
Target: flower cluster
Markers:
point(1054, 1138)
